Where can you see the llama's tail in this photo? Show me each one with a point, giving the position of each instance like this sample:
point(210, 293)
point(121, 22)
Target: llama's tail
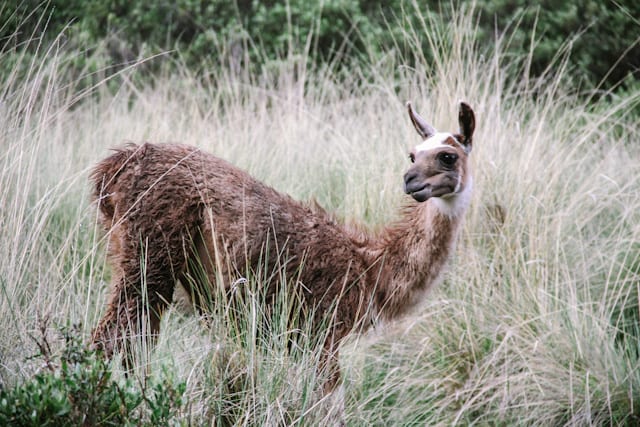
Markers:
point(104, 177)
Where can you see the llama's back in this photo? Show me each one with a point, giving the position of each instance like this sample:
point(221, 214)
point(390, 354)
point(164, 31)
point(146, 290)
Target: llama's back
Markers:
point(104, 176)
point(172, 184)
point(156, 181)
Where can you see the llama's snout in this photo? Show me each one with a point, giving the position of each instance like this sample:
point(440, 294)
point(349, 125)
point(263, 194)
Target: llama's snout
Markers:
point(422, 187)
point(416, 186)
point(410, 181)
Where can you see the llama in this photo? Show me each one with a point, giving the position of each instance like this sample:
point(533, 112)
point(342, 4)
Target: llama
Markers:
point(175, 206)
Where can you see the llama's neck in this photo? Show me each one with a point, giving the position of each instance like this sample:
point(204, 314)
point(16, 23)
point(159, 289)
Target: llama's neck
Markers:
point(410, 255)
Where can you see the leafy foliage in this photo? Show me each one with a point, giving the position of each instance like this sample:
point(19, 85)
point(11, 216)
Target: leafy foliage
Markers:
point(602, 35)
point(78, 388)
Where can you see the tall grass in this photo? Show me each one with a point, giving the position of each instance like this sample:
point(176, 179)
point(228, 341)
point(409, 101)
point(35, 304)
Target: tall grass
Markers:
point(537, 320)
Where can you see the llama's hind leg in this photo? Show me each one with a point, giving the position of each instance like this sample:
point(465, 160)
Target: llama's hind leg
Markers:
point(204, 268)
point(139, 295)
point(120, 321)
point(330, 364)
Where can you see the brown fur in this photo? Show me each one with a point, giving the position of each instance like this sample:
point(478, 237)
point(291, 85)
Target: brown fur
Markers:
point(174, 206)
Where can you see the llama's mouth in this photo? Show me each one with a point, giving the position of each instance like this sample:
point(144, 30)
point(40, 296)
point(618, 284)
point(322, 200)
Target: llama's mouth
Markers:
point(420, 193)
point(424, 192)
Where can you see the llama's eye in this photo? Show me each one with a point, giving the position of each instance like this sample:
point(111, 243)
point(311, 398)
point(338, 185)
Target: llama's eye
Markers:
point(447, 159)
point(412, 157)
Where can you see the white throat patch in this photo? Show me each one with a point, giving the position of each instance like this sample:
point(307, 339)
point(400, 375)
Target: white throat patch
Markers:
point(455, 205)
point(435, 141)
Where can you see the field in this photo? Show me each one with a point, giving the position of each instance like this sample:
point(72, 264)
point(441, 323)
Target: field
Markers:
point(536, 322)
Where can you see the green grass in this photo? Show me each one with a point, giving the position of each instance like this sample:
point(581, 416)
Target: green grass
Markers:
point(536, 322)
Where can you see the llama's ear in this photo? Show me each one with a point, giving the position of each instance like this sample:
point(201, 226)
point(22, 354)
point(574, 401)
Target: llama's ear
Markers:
point(424, 129)
point(467, 120)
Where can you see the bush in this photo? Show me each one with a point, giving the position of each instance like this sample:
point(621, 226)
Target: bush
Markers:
point(78, 388)
point(602, 34)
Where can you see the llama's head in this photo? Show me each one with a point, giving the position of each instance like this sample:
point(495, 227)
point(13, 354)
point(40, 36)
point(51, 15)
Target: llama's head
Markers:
point(440, 163)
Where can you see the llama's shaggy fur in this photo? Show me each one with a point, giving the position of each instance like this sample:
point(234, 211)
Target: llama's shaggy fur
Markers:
point(169, 207)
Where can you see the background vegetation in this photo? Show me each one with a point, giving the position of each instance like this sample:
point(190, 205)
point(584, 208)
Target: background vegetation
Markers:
point(536, 322)
point(602, 36)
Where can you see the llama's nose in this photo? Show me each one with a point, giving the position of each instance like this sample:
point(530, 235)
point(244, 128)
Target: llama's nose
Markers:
point(409, 181)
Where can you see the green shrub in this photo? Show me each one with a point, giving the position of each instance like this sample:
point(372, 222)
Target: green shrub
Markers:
point(78, 388)
point(602, 35)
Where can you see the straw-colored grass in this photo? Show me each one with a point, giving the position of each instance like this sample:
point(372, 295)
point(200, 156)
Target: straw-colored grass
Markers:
point(536, 322)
